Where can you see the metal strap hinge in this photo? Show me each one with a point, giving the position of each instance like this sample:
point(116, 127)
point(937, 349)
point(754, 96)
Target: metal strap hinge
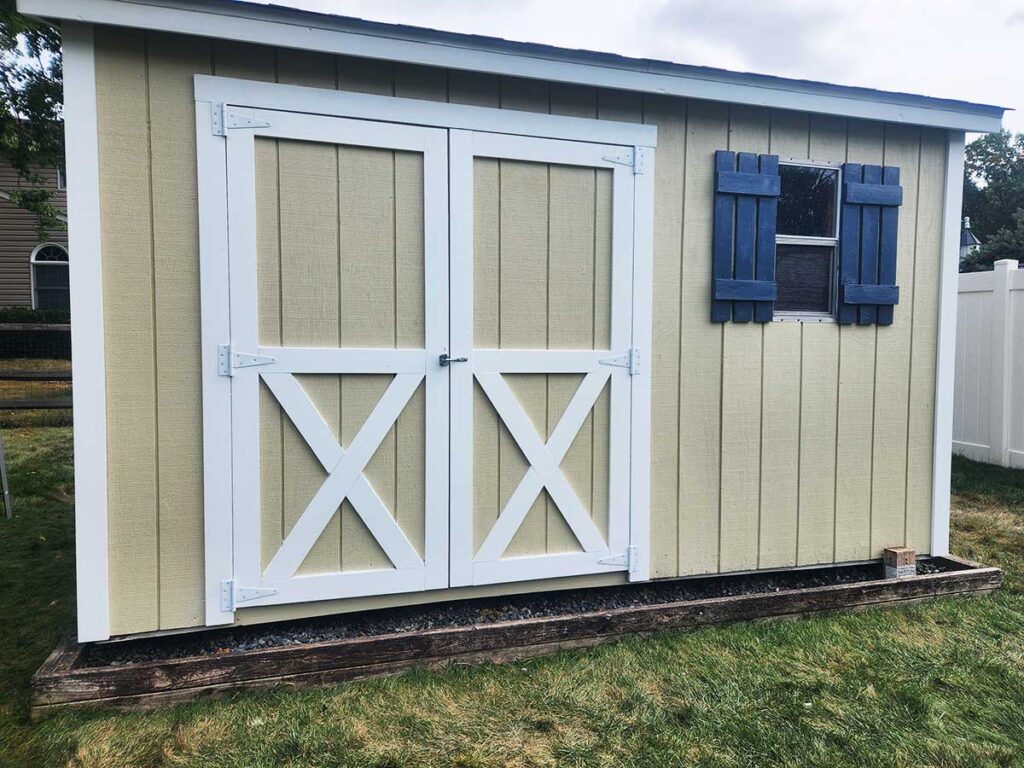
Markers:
point(226, 118)
point(228, 360)
point(635, 158)
point(231, 595)
point(629, 360)
point(627, 558)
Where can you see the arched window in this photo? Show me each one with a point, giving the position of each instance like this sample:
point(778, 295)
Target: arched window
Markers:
point(49, 264)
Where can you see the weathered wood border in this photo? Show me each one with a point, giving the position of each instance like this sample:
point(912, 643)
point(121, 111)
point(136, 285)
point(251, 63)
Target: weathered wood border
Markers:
point(62, 682)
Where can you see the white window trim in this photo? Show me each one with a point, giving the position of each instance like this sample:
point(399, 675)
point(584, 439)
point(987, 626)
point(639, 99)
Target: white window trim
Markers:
point(783, 316)
point(34, 262)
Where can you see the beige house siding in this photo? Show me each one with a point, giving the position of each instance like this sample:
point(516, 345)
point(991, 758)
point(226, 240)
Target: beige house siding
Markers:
point(773, 445)
point(18, 238)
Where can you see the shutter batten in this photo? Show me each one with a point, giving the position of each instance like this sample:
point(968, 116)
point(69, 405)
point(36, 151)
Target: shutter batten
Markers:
point(749, 290)
point(867, 244)
point(874, 194)
point(743, 242)
point(743, 183)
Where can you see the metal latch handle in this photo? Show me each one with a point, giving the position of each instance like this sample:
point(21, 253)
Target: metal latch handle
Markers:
point(444, 360)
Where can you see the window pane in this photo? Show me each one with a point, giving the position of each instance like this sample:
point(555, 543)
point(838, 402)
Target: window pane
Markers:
point(51, 253)
point(53, 298)
point(807, 206)
point(804, 277)
point(55, 276)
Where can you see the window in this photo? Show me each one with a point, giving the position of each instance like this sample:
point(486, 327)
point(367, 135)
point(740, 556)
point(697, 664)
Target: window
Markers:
point(62, 178)
point(806, 241)
point(49, 265)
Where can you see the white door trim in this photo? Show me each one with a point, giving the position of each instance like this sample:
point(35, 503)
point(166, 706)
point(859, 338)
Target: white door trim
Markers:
point(364, 106)
point(570, 140)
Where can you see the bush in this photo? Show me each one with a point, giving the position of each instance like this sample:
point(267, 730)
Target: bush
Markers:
point(27, 315)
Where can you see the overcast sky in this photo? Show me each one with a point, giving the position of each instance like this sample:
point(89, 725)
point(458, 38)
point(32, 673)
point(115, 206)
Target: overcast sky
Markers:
point(961, 49)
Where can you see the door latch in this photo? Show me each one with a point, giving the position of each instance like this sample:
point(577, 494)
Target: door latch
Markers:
point(444, 360)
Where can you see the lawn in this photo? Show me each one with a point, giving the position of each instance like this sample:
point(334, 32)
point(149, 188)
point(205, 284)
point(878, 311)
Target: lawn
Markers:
point(936, 684)
point(42, 390)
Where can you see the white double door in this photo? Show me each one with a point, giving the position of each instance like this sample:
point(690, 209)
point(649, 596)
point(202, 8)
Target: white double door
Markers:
point(427, 356)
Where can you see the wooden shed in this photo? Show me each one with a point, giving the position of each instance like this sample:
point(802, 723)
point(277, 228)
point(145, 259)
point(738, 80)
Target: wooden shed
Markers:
point(371, 315)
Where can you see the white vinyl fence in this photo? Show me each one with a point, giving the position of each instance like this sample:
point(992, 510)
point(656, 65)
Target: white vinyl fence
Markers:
point(988, 410)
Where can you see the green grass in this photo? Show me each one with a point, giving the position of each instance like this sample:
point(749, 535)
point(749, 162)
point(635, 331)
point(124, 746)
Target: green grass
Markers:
point(937, 684)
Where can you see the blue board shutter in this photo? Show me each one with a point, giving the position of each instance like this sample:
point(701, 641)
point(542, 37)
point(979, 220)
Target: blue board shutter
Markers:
point(867, 244)
point(743, 242)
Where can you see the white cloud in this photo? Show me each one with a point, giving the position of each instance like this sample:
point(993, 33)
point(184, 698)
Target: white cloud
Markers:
point(947, 48)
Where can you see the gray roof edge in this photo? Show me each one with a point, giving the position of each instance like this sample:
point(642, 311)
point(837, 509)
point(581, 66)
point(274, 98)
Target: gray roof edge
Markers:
point(480, 43)
point(619, 61)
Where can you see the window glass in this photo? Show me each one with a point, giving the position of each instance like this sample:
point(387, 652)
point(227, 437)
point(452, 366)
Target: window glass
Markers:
point(807, 205)
point(50, 253)
point(803, 274)
point(50, 277)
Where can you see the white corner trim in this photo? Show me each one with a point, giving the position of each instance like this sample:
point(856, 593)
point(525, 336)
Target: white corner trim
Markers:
point(945, 357)
point(289, 28)
point(86, 276)
point(322, 101)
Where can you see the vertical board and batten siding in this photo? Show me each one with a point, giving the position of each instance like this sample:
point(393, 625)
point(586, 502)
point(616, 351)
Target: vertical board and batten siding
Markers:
point(773, 445)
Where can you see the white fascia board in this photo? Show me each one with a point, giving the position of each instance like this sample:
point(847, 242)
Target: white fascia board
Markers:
point(315, 32)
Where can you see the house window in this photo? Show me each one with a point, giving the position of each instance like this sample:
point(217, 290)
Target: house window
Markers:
point(49, 265)
point(62, 179)
point(806, 241)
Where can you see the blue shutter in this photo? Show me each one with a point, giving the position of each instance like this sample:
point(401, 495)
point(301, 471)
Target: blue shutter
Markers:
point(867, 244)
point(743, 242)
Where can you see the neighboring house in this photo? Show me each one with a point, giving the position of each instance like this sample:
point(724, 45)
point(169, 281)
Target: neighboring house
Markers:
point(33, 271)
point(969, 241)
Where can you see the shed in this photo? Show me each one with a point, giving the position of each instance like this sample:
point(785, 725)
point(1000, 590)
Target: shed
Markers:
point(371, 315)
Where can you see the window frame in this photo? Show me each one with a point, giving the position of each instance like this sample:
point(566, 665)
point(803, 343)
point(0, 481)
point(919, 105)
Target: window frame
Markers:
point(805, 316)
point(34, 262)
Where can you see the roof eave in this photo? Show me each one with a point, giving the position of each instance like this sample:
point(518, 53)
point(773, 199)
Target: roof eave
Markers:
point(291, 28)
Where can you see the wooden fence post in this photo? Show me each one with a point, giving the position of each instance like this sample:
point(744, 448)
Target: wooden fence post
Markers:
point(1002, 359)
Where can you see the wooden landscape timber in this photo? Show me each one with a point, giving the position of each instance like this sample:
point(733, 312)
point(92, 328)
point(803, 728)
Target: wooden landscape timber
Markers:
point(62, 681)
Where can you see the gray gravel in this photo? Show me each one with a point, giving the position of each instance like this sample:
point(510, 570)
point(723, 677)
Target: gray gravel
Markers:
point(462, 613)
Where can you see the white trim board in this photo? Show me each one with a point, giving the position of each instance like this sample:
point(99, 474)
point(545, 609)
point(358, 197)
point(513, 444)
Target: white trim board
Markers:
point(945, 358)
point(86, 275)
point(322, 101)
point(304, 30)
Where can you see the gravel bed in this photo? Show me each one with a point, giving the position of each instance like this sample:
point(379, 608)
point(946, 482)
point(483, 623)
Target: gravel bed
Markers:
point(461, 613)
